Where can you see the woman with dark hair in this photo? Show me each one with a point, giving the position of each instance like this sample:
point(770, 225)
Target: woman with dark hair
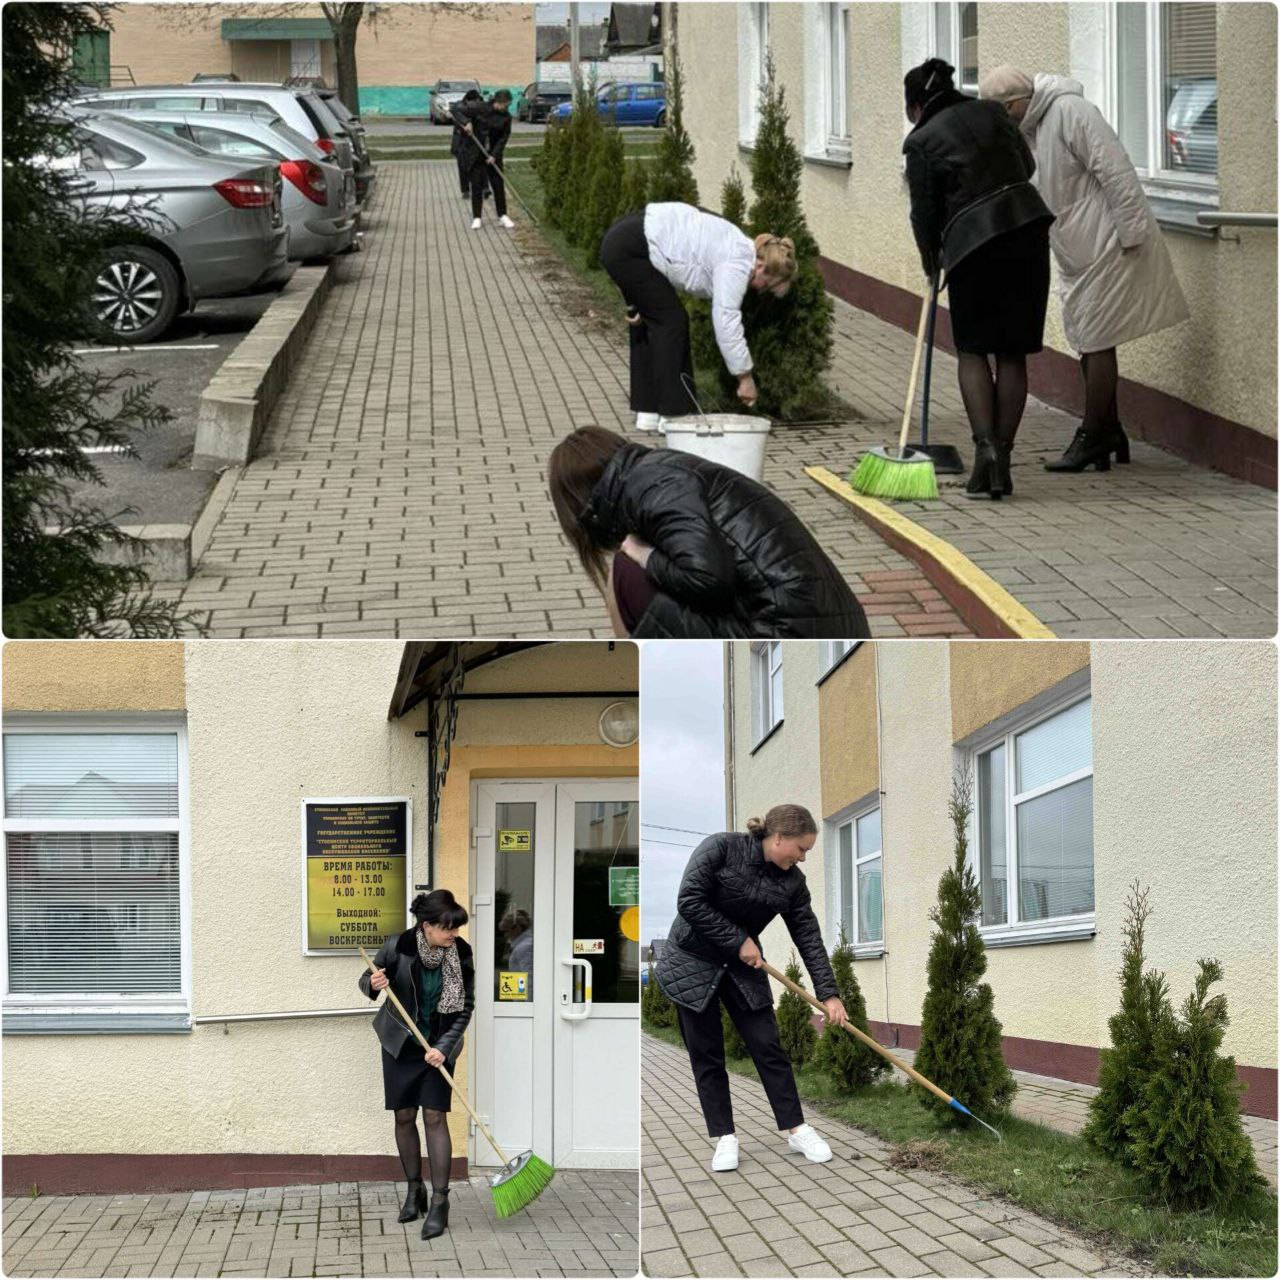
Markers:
point(704, 551)
point(432, 972)
point(734, 885)
point(976, 214)
point(490, 124)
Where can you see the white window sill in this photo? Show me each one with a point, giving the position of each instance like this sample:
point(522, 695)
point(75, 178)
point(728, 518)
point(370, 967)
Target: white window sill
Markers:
point(1175, 204)
point(107, 1021)
point(1077, 929)
point(830, 158)
point(776, 726)
point(868, 951)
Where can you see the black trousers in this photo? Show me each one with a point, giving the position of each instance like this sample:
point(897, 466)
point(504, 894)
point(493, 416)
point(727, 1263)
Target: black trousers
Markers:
point(464, 180)
point(660, 348)
point(490, 175)
point(704, 1038)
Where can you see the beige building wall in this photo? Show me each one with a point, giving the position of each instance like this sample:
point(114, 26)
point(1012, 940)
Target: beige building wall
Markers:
point(1222, 360)
point(990, 678)
point(69, 675)
point(850, 746)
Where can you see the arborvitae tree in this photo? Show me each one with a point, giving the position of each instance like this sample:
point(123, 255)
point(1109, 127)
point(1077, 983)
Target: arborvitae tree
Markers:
point(673, 166)
point(607, 173)
point(655, 1006)
point(790, 337)
point(734, 1045)
point(584, 132)
point(55, 583)
point(733, 199)
point(959, 1034)
point(1127, 1064)
point(552, 167)
point(634, 194)
point(1188, 1142)
point(846, 1060)
point(795, 1030)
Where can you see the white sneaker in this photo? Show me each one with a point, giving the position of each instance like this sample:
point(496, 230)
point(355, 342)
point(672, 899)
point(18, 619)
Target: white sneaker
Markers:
point(475, 224)
point(726, 1156)
point(648, 422)
point(809, 1144)
point(506, 222)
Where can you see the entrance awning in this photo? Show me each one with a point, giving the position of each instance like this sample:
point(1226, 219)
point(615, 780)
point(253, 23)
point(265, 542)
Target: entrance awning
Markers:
point(276, 29)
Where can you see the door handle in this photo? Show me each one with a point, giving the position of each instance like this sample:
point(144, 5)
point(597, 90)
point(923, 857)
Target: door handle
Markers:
point(568, 1009)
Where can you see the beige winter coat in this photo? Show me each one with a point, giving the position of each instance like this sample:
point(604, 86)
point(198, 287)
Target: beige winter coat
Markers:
point(1117, 281)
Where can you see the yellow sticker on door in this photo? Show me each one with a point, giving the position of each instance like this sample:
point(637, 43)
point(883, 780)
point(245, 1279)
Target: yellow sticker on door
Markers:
point(513, 986)
point(515, 841)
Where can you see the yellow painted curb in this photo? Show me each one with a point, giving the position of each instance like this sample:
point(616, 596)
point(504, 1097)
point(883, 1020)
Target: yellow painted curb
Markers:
point(988, 594)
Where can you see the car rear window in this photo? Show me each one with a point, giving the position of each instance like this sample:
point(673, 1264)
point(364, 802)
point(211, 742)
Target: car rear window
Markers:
point(337, 108)
point(299, 146)
point(248, 106)
point(223, 142)
point(335, 126)
point(321, 119)
point(146, 127)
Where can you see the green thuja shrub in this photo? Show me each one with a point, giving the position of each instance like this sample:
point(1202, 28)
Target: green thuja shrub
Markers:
point(734, 1045)
point(733, 199)
point(795, 1030)
point(1127, 1064)
point(848, 1061)
point(584, 132)
point(672, 177)
point(655, 1006)
point(634, 194)
point(1188, 1142)
point(607, 172)
point(959, 1033)
point(552, 167)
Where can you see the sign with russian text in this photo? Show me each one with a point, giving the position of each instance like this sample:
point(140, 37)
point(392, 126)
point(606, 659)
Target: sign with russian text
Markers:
point(356, 856)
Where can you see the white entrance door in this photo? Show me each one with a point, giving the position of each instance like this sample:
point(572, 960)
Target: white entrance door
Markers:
point(304, 57)
point(555, 1062)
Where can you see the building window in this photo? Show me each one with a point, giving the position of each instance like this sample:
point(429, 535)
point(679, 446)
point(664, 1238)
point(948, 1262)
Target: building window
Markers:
point(766, 687)
point(95, 876)
point(1164, 86)
point(1034, 822)
point(861, 880)
point(832, 654)
point(753, 68)
point(836, 69)
point(955, 38)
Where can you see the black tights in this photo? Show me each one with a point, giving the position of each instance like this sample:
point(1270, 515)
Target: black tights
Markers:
point(1101, 374)
point(439, 1146)
point(994, 403)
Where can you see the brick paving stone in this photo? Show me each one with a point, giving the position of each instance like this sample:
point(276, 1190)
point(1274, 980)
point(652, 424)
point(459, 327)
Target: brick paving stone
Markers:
point(851, 1232)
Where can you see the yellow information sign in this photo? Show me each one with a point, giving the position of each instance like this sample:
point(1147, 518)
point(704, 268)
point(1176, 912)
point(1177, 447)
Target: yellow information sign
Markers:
point(515, 841)
point(513, 986)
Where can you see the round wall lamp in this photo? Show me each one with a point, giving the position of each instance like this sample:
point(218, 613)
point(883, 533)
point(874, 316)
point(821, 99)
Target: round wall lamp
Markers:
point(620, 724)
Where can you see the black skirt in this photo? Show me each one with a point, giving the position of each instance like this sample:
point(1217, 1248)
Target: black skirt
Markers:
point(407, 1081)
point(1000, 292)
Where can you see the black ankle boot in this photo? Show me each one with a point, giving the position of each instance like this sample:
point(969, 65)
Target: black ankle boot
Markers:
point(437, 1222)
point(985, 480)
point(1087, 449)
point(415, 1202)
point(1119, 442)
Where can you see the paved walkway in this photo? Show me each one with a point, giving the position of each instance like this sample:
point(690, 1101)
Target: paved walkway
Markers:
point(399, 488)
point(584, 1224)
point(778, 1215)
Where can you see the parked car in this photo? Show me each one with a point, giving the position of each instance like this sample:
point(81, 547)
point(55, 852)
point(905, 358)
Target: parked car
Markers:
point(540, 99)
point(206, 227)
point(366, 171)
point(1191, 126)
point(444, 94)
point(201, 76)
point(628, 104)
point(319, 200)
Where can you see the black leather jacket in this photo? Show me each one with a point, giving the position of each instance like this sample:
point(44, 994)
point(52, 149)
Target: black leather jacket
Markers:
point(969, 176)
point(730, 558)
point(729, 892)
point(491, 126)
point(399, 957)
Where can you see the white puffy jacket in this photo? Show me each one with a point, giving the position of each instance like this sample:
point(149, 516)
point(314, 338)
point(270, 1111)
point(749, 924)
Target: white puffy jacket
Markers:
point(707, 257)
point(1117, 280)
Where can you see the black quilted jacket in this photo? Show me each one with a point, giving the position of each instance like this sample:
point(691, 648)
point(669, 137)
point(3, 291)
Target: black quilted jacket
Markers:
point(729, 892)
point(730, 558)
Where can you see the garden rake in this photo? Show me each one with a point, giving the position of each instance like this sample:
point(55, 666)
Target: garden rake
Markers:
point(911, 1072)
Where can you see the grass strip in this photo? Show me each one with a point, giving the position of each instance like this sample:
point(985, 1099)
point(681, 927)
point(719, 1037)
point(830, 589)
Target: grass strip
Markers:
point(1054, 1174)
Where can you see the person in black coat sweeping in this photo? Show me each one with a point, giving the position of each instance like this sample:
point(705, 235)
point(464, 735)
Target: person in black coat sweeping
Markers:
point(432, 971)
point(975, 213)
point(704, 552)
point(459, 146)
point(735, 884)
point(489, 123)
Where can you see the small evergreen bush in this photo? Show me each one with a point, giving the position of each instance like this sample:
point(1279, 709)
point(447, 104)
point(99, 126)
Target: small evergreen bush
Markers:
point(959, 1033)
point(655, 1006)
point(795, 1030)
point(584, 131)
point(634, 194)
point(672, 177)
point(607, 172)
point(551, 165)
point(848, 1061)
point(733, 199)
point(734, 1045)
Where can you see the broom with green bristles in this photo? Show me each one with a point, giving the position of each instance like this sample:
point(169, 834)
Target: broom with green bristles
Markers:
point(908, 476)
point(523, 1178)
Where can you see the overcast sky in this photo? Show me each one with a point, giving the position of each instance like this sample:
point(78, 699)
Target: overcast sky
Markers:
point(681, 767)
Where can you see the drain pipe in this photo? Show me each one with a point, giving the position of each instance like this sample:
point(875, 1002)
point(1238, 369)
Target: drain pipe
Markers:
point(884, 959)
point(730, 796)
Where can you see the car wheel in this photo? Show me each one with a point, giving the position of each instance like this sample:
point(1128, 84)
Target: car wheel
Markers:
point(661, 120)
point(136, 293)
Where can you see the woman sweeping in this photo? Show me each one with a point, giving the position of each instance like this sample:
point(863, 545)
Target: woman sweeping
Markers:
point(430, 969)
point(734, 885)
point(665, 247)
point(1116, 278)
point(490, 124)
point(702, 550)
point(975, 213)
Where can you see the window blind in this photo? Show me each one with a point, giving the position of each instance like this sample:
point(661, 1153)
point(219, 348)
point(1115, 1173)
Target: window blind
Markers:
point(1055, 853)
point(92, 775)
point(1131, 81)
point(1189, 84)
point(1055, 747)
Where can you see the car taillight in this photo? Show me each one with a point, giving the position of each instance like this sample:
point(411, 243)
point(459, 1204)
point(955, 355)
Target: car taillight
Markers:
point(244, 193)
point(327, 145)
point(307, 177)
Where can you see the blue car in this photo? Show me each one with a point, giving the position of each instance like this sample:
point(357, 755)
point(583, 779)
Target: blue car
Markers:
point(626, 104)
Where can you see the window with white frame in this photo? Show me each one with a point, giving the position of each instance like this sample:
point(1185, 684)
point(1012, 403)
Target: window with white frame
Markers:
point(835, 78)
point(753, 67)
point(94, 878)
point(861, 879)
point(1034, 818)
point(832, 652)
point(955, 38)
point(766, 687)
point(1164, 87)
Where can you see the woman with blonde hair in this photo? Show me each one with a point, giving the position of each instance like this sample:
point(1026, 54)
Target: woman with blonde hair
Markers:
point(735, 884)
point(667, 247)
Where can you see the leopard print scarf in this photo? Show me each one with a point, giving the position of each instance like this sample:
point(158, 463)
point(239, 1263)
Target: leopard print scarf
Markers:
point(452, 995)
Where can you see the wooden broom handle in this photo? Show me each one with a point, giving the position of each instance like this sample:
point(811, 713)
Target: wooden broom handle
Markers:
point(422, 1040)
point(915, 373)
point(853, 1031)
